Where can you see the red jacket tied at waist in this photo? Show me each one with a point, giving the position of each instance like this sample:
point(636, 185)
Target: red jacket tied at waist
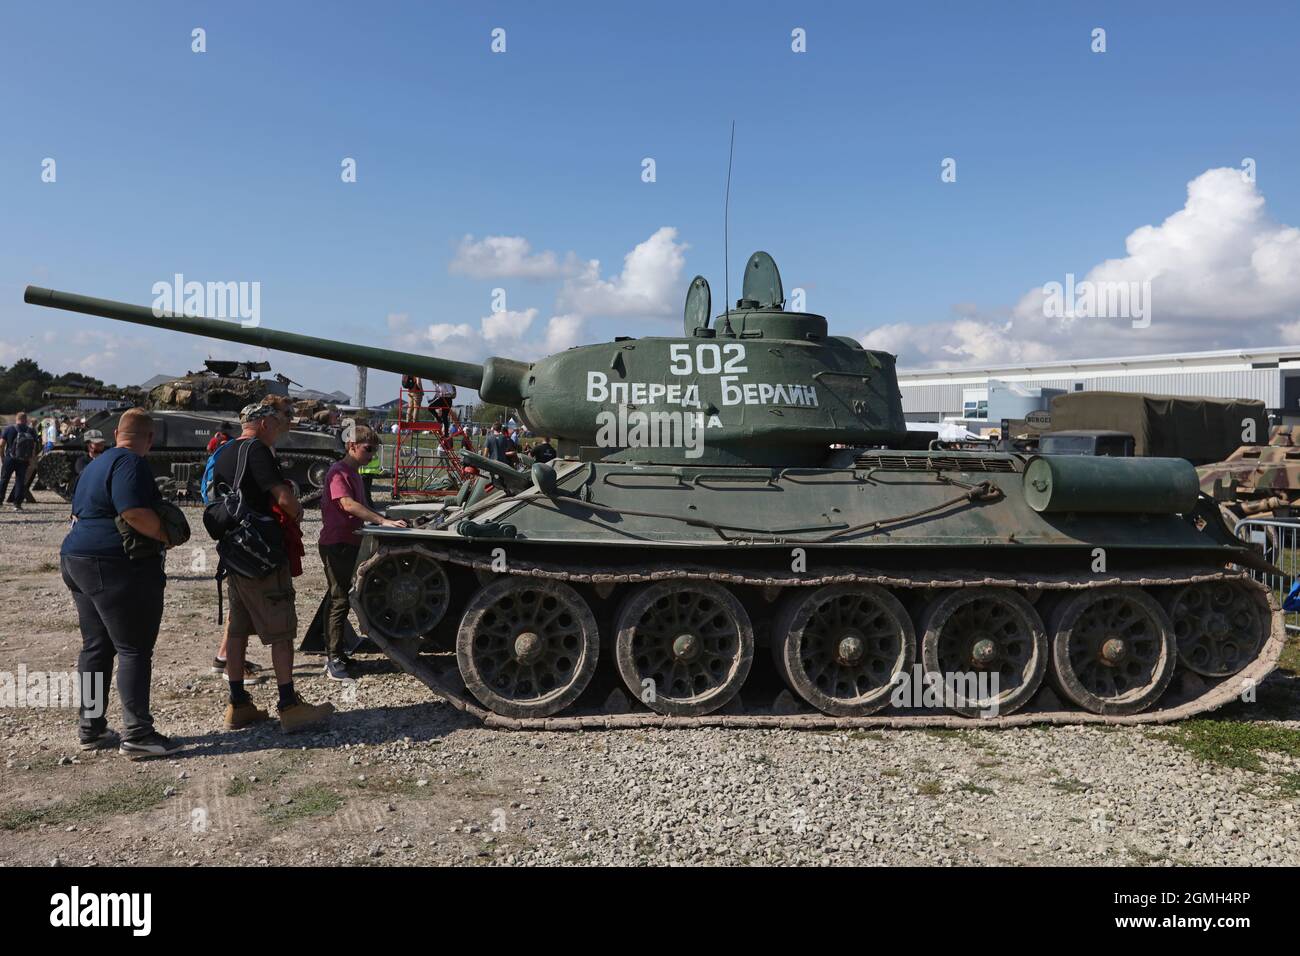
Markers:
point(292, 540)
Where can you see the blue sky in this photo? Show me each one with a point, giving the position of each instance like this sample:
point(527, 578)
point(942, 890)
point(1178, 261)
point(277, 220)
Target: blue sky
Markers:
point(225, 165)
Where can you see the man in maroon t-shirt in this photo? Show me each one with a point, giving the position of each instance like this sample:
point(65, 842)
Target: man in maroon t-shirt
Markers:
point(344, 507)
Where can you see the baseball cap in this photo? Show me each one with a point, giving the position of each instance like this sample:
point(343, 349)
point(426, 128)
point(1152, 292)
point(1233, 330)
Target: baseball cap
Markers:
point(252, 413)
point(92, 435)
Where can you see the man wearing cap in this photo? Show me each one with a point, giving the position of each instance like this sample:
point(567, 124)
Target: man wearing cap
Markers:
point(95, 445)
point(264, 606)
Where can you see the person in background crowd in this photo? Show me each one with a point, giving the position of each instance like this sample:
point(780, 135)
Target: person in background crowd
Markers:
point(265, 606)
point(497, 444)
point(19, 444)
point(218, 439)
point(440, 405)
point(65, 428)
point(95, 446)
point(49, 432)
point(345, 506)
point(372, 468)
point(414, 396)
point(544, 451)
point(119, 599)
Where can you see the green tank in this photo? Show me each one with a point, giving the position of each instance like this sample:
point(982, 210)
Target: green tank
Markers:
point(187, 412)
point(733, 534)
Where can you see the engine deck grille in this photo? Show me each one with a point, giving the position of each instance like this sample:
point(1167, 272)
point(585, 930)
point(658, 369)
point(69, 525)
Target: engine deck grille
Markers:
point(908, 461)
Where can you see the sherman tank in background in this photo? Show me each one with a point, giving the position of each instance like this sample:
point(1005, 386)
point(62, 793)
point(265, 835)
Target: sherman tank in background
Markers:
point(187, 411)
point(742, 486)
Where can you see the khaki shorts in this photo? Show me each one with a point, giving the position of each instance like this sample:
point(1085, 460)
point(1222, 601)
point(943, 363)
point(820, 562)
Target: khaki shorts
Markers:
point(263, 607)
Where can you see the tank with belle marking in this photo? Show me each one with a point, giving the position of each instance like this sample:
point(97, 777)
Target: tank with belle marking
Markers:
point(187, 411)
point(741, 488)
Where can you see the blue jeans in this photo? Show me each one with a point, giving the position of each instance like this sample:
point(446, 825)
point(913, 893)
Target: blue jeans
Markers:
point(119, 605)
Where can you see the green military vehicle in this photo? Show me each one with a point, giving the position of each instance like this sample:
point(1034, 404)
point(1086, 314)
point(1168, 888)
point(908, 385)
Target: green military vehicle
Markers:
point(1201, 430)
point(1258, 481)
point(187, 412)
point(742, 486)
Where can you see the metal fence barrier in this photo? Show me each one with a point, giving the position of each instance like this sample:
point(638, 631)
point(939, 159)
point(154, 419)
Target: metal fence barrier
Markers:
point(1281, 543)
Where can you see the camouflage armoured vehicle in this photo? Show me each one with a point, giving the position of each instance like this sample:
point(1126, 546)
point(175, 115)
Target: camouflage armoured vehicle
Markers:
point(187, 412)
point(1258, 481)
point(738, 487)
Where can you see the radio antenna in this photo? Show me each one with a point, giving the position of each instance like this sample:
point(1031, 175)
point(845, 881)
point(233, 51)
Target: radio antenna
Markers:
point(726, 227)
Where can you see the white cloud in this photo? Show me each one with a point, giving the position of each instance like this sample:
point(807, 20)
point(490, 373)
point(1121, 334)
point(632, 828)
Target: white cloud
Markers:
point(510, 257)
point(563, 332)
point(506, 325)
point(1222, 274)
point(649, 285)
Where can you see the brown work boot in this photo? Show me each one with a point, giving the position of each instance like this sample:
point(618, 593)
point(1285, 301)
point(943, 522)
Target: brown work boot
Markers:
point(243, 715)
point(301, 715)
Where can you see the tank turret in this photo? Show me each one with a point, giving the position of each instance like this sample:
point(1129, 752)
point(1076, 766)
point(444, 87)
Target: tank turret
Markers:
point(756, 385)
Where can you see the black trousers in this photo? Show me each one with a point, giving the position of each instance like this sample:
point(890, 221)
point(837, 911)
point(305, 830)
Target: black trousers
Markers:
point(119, 604)
point(340, 561)
point(18, 469)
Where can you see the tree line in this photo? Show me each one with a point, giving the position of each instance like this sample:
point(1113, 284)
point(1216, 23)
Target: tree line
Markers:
point(23, 383)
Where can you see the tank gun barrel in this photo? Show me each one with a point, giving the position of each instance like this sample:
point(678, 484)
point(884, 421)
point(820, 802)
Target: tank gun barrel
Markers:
point(497, 380)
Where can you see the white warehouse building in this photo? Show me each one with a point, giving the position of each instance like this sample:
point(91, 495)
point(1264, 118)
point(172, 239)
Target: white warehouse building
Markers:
point(1271, 375)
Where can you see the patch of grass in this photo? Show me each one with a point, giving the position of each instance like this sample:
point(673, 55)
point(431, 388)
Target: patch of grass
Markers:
point(1289, 785)
point(865, 735)
point(313, 800)
point(891, 772)
point(95, 805)
point(988, 763)
point(1290, 661)
point(1069, 785)
point(285, 764)
point(1225, 743)
point(1143, 858)
point(972, 788)
point(929, 788)
point(48, 566)
point(947, 732)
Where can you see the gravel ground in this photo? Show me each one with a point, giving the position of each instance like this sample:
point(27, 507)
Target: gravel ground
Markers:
point(402, 778)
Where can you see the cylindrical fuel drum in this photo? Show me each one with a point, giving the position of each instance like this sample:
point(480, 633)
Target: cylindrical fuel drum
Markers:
point(1056, 483)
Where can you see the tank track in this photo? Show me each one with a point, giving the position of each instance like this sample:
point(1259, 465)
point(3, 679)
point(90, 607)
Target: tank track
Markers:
point(55, 468)
point(1189, 695)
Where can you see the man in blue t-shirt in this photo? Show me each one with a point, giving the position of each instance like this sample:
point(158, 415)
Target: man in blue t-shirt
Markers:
point(119, 599)
point(18, 446)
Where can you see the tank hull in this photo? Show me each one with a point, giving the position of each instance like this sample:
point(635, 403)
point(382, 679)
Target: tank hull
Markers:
point(912, 536)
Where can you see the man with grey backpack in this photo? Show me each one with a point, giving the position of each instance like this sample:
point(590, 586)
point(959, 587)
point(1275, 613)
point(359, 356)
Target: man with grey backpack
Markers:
point(18, 447)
